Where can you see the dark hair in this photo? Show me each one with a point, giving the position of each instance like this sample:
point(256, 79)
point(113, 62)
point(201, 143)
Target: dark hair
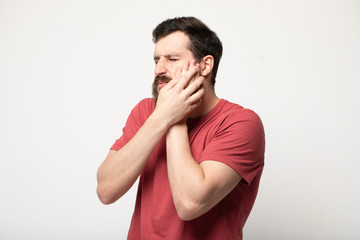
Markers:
point(203, 41)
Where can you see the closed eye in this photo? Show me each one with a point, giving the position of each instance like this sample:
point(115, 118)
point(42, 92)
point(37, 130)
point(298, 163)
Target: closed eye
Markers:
point(172, 57)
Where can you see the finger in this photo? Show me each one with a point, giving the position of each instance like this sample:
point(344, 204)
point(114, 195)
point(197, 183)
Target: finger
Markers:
point(197, 96)
point(193, 70)
point(195, 104)
point(179, 73)
point(187, 74)
point(182, 77)
point(186, 66)
point(194, 86)
point(169, 85)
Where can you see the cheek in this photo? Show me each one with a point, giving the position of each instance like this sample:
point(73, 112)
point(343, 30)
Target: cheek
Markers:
point(177, 66)
point(173, 70)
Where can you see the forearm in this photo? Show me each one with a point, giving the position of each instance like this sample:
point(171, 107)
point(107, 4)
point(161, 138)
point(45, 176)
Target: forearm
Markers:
point(120, 169)
point(195, 188)
point(186, 176)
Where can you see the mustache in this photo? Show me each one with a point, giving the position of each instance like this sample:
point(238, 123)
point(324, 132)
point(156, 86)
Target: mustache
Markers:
point(162, 78)
point(157, 79)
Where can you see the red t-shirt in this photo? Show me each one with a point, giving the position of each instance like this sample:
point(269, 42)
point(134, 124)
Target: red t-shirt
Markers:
point(229, 134)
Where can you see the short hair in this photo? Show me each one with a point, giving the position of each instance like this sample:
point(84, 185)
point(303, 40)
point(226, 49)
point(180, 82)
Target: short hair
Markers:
point(203, 41)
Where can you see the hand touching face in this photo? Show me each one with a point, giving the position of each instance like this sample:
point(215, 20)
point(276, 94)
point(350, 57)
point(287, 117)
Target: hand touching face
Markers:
point(170, 55)
point(179, 97)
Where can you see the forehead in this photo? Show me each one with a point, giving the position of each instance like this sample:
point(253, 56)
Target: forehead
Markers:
point(176, 42)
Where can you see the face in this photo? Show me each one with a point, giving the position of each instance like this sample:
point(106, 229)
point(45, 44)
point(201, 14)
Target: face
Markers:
point(171, 52)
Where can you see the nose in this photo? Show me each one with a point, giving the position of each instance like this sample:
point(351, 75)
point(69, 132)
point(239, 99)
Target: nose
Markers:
point(160, 67)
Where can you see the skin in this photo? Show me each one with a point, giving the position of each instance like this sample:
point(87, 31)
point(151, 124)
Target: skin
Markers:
point(195, 188)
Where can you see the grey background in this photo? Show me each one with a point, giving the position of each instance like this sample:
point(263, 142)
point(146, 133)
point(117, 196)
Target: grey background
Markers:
point(71, 71)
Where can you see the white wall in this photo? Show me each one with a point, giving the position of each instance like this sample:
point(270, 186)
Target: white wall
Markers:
point(70, 71)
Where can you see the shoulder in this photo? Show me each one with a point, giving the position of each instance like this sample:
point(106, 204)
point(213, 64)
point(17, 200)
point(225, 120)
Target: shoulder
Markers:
point(142, 110)
point(144, 106)
point(235, 112)
point(241, 122)
point(146, 103)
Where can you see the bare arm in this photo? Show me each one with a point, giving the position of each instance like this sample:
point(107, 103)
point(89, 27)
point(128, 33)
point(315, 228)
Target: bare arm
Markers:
point(121, 168)
point(195, 188)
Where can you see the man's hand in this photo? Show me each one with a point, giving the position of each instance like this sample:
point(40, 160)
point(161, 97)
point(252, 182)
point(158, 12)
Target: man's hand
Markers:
point(181, 95)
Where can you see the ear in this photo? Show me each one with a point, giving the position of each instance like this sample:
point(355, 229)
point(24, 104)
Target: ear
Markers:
point(206, 65)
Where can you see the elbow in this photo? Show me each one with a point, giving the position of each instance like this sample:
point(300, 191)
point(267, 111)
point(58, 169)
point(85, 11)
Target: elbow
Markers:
point(104, 200)
point(188, 210)
point(105, 196)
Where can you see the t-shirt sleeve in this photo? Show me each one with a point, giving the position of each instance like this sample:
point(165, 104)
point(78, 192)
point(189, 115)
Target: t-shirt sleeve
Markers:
point(239, 143)
point(136, 119)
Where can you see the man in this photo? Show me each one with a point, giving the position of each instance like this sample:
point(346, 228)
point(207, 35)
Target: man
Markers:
point(199, 157)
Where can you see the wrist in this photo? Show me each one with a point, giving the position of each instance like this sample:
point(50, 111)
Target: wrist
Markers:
point(178, 127)
point(158, 123)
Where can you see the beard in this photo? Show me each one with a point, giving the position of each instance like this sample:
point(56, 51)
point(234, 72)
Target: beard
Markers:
point(155, 92)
